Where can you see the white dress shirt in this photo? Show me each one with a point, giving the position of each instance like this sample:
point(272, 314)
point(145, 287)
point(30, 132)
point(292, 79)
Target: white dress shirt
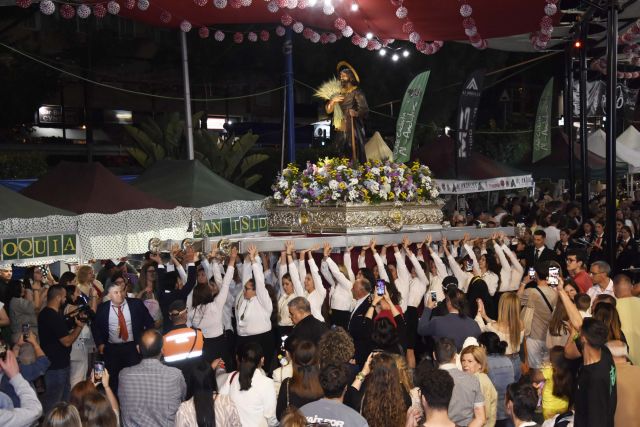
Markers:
point(114, 325)
point(596, 290)
point(253, 316)
point(489, 277)
point(417, 285)
point(315, 298)
point(402, 282)
point(464, 277)
point(553, 236)
point(340, 294)
point(209, 317)
point(517, 270)
point(256, 406)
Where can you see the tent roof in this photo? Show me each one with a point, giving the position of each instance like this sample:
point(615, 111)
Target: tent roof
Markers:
point(432, 19)
point(90, 187)
point(190, 183)
point(15, 205)
point(440, 159)
point(598, 145)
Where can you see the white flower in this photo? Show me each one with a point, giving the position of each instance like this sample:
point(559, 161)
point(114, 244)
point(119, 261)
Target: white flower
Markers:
point(434, 193)
point(287, 201)
point(383, 194)
point(292, 193)
point(401, 171)
point(335, 195)
point(305, 201)
point(283, 184)
point(277, 195)
point(341, 167)
point(386, 187)
point(353, 195)
point(353, 181)
point(375, 171)
point(333, 184)
point(423, 180)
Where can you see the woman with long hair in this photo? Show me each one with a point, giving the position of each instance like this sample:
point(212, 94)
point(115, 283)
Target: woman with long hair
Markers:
point(486, 267)
point(388, 331)
point(250, 389)
point(313, 289)
point(147, 281)
point(87, 281)
point(508, 327)
point(287, 272)
point(304, 387)
point(62, 415)
point(97, 411)
point(473, 359)
point(207, 408)
point(82, 346)
point(205, 306)
point(378, 394)
point(559, 330)
point(500, 371)
point(558, 383)
point(607, 314)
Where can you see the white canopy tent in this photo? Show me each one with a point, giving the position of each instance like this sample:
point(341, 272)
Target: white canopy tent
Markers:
point(629, 140)
point(625, 152)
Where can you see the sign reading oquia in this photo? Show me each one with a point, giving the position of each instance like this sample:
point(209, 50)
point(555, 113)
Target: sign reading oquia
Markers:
point(233, 225)
point(38, 247)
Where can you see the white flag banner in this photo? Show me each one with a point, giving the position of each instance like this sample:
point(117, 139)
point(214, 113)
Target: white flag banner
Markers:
point(455, 186)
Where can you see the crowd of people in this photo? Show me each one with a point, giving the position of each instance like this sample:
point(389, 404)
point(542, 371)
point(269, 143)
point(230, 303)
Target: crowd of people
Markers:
point(521, 330)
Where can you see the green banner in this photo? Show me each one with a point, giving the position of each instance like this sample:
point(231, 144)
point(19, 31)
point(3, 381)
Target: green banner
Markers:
point(233, 225)
point(406, 125)
point(38, 247)
point(542, 130)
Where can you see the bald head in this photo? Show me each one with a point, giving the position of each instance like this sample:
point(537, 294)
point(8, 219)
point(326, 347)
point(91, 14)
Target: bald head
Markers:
point(150, 344)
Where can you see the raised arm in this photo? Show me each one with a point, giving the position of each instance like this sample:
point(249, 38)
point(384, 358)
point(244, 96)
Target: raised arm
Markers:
point(515, 264)
point(258, 276)
point(440, 267)
point(362, 257)
point(346, 259)
point(382, 273)
point(341, 279)
point(221, 298)
point(472, 255)
point(326, 273)
point(317, 280)
point(293, 270)
point(453, 264)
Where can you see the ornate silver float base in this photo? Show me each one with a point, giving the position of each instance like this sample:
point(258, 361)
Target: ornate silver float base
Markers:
point(354, 218)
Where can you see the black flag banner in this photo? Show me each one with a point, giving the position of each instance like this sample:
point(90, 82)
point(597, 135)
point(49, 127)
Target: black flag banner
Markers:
point(467, 111)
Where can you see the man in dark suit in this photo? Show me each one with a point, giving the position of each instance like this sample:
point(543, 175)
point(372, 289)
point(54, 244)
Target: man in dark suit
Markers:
point(305, 326)
point(117, 328)
point(361, 291)
point(539, 251)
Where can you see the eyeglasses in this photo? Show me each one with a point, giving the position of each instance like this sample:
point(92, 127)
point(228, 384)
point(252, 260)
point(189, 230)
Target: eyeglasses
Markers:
point(595, 273)
point(571, 260)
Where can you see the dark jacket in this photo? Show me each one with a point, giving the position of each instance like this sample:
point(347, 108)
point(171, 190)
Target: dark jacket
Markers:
point(166, 297)
point(141, 320)
point(360, 331)
point(308, 329)
point(546, 255)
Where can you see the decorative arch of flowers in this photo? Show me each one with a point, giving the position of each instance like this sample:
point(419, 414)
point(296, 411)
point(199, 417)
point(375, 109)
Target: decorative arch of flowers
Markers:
point(336, 180)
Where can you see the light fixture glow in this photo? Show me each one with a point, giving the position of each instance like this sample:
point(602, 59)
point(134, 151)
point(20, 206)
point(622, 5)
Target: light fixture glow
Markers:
point(405, 53)
point(383, 52)
point(369, 36)
point(354, 7)
point(312, 3)
point(395, 57)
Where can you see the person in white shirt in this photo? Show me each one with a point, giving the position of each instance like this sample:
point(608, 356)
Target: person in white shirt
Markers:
point(251, 391)
point(417, 289)
point(314, 290)
point(602, 283)
point(340, 297)
point(254, 308)
point(484, 267)
point(205, 305)
point(464, 277)
point(517, 270)
point(287, 292)
point(552, 231)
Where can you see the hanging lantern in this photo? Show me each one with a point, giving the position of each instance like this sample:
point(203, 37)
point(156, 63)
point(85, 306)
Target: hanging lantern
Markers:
point(203, 32)
point(67, 11)
point(328, 9)
point(113, 7)
point(407, 27)
point(466, 10)
point(99, 11)
point(220, 4)
point(23, 3)
point(272, 6)
point(218, 36)
point(347, 32)
point(264, 35)
point(238, 37)
point(340, 23)
point(185, 26)
point(280, 31)
point(402, 12)
point(47, 7)
point(414, 37)
point(165, 17)
point(129, 4)
point(298, 27)
point(286, 19)
point(83, 11)
point(200, 3)
point(143, 4)
point(315, 37)
point(246, 3)
point(252, 37)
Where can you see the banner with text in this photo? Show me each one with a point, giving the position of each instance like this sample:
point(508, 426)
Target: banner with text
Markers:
point(467, 111)
point(33, 247)
point(406, 125)
point(542, 128)
point(454, 186)
point(233, 225)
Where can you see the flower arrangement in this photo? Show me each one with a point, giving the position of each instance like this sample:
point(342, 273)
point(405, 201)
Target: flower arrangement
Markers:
point(334, 180)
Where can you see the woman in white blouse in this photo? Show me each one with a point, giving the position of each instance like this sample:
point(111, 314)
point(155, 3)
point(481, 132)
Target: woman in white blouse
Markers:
point(205, 306)
point(314, 290)
point(254, 308)
point(287, 272)
point(207, 406)
point(250, 389)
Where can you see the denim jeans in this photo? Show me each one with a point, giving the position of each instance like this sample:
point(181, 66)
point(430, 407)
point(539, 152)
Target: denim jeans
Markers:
point(57, 388)
point(517, 368)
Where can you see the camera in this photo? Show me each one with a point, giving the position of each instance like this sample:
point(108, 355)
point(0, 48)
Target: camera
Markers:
point(83, 313)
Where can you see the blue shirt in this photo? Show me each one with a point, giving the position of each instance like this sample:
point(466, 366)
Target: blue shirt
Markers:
point(501, 375)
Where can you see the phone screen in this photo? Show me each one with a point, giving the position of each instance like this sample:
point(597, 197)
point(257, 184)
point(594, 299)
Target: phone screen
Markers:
point(380, 287)
point(26, 329)
point(468, 265)
point(433, 296)
point(553, 276)
point(532, 273)
point(98, 369)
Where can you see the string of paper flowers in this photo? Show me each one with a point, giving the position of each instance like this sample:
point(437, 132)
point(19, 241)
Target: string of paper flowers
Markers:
point(630, 39)
point(540, 38)
point(470, 27)
point(423, 46)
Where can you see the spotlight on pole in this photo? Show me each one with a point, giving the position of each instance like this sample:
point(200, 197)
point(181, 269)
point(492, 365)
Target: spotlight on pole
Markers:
point(405, 53)
point(395, 57)
point(383, 52)
point(369, 36)
point(577, 44)
point(354, 7)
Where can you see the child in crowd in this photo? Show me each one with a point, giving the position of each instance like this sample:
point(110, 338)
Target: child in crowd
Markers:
point(583, 302)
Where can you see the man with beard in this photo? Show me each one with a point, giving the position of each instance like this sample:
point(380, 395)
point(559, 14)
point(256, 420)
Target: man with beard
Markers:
point(350, 133)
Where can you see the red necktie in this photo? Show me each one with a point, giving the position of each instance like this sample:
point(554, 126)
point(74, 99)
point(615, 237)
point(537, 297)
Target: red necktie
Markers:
point(122, 325)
